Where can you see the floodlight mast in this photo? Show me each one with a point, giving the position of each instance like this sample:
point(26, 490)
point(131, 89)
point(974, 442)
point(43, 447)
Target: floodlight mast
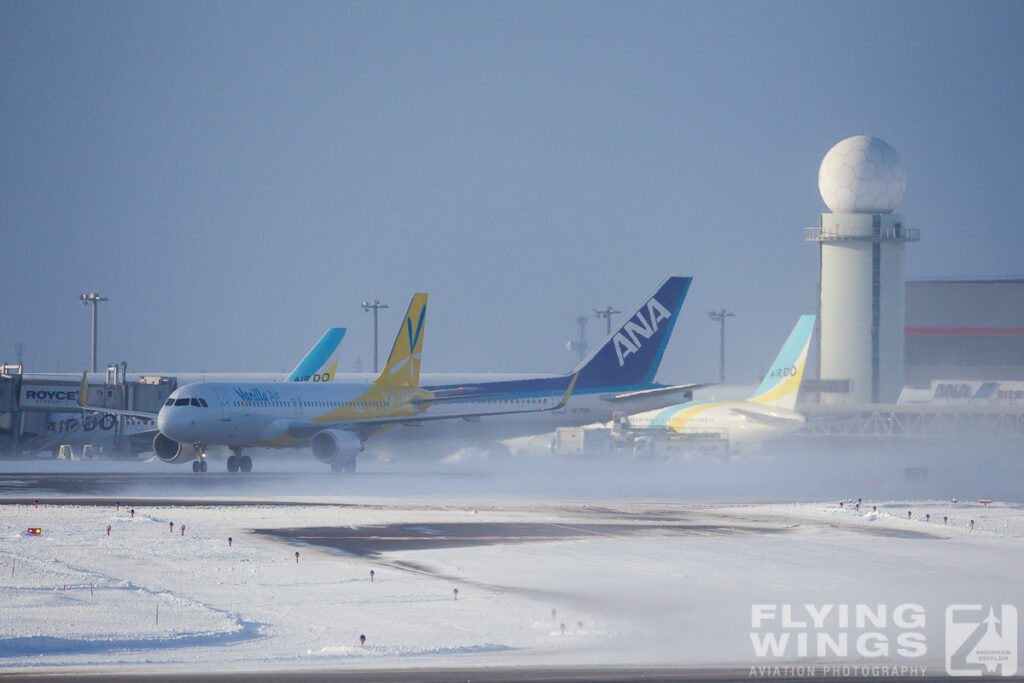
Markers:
point(92, 298)
point(579, 344)
point(607, 312)
point(719, 316)
point(374, 306)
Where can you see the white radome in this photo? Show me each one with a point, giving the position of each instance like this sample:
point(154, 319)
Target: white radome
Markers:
point(862, 174)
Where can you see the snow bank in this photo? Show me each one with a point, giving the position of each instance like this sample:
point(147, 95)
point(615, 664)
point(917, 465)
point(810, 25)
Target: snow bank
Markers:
point(677, 593)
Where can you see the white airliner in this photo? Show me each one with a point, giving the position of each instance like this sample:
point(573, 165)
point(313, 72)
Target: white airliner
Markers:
point(335, 418)
point(134, 433)
point(767, 414)
point(619, 376)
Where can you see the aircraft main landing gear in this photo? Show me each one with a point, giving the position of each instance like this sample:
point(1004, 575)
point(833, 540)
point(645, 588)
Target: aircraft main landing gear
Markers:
point(238, 462)
point(198, 466)
point(348, 467)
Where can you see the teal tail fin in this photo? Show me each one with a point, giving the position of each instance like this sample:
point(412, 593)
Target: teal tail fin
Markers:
point(321, 363)
point(782, 383)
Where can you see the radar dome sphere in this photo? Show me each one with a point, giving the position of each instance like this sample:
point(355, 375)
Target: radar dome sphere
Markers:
point(862, 174)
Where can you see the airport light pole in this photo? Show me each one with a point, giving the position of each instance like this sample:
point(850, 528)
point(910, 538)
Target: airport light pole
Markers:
point(92, 298)
point(607, 312)
point(720, 315)
point(374, 306)
point(579, 344)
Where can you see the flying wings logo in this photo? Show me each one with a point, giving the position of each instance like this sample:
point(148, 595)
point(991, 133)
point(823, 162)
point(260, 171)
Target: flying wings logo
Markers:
point(631, 336)
point(978, 645)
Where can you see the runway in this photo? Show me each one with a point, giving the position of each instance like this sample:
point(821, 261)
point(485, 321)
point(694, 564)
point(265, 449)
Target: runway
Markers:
point(758, 477)
point(648, 583)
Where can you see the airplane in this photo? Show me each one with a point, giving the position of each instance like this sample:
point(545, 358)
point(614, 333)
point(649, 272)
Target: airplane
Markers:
point(334, 418)
point(618, 376)
point(135, 433)
point(768, 413)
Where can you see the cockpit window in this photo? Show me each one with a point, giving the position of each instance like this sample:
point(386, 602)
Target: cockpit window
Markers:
point(202, 402)
point(181, 402)
point(169, 402)
point(196, 403)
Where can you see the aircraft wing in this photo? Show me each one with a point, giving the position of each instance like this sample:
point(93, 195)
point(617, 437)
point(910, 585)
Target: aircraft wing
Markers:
point(763, 418)
point(145, 437)
point(648, 393)
point(304, 430)
point(452, 395)
point(110, 411)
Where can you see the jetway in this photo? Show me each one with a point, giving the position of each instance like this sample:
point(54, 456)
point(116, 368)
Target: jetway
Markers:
point(915, 421)
point(41, 412)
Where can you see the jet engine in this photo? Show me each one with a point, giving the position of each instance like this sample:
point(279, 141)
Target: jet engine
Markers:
point(335, 445)
point(172, 451)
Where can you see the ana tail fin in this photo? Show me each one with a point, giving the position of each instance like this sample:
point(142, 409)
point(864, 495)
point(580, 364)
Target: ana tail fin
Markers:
point(403, 366)
point(321, 363)
point(632, 354)
point(782, 383)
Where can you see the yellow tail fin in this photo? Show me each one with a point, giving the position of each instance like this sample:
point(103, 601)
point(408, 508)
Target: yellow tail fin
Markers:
point(403, 366)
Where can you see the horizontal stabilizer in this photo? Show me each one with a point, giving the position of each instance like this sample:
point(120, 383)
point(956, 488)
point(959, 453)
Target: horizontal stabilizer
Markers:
point(649, 393)
point(764, 418)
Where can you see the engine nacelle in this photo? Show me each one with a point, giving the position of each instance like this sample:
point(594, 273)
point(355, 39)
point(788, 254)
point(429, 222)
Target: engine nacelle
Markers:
point(172, 451)
point(335, 445)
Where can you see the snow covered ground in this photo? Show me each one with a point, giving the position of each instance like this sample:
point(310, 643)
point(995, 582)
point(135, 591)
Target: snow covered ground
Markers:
point(679, 591)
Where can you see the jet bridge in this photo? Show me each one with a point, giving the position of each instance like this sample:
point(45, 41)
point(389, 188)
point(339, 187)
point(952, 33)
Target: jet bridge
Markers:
point(40, 412)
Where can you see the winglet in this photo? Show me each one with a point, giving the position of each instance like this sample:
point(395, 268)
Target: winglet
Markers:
point(568, 394)
point(82, 389)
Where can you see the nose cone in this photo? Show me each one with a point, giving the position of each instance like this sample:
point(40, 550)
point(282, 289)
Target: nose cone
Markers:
point(173, 423)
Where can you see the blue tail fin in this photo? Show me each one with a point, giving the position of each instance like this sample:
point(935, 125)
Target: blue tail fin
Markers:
point(631, 355)
point(782, 383)
point(317, 366)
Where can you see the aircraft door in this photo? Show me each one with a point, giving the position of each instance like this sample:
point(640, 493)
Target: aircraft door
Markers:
point(225, 412)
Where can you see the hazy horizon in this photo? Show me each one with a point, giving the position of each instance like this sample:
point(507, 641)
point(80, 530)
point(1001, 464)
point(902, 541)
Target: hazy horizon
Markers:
point(236, 177)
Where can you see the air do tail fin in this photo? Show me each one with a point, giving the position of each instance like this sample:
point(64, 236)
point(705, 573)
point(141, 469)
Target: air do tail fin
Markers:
point(321, 363)
point(403, 366)
point(782, 383)
point(630, 356)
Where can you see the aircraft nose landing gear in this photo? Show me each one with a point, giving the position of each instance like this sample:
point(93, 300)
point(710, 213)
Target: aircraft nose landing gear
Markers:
point(199, 465)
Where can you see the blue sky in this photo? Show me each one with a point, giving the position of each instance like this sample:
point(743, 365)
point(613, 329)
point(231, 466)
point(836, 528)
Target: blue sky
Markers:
point(238, 176)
